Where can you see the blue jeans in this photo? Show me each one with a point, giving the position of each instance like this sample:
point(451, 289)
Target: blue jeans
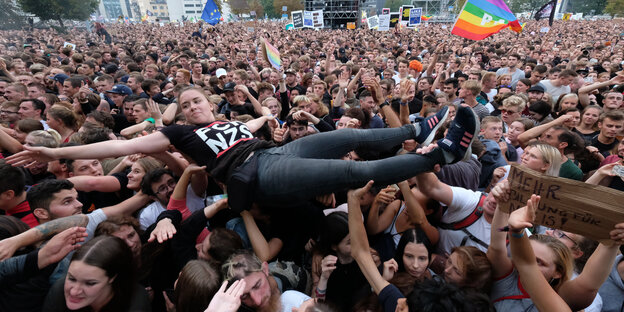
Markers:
point(311, 166)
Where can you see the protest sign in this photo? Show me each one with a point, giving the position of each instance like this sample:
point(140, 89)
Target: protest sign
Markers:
point(297, 19)
point(384, 22)
point(68, 44)
point(289, 26)
point(405, 14)
point(414, 18)
point(394, 19)
point(568, 205)
point(308, 22)
point(317, 19)
point(385, 11)
point(373, 22)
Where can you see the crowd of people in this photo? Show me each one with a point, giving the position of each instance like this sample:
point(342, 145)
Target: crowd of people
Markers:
point(173, 168)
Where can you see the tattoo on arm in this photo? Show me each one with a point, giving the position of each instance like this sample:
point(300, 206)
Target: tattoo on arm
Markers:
point(56, 226)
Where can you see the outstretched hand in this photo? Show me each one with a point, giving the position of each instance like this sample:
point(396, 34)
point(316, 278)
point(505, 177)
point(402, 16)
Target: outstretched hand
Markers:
point(31, 155)
point(523, 218)
point(60, 245)
point(227, 300)
point(358, 193)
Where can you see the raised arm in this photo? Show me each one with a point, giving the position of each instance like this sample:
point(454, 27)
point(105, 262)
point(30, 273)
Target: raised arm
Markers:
point(39, 233)
point(416, 212)
point(9, 143)
point(155, 142)
point(256, 105)
point(104, 184)
point(543, 295)
point(534, 132)
point(433, 188)
point(404, 108)
point(360, 250)
point(581, 291)
point(265, 250)
point(497, 250)
point(127, 206)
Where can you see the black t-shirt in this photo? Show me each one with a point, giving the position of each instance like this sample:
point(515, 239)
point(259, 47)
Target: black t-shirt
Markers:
point(121, 122)
point(603, 148)
point(95, 200)
point(221, 146)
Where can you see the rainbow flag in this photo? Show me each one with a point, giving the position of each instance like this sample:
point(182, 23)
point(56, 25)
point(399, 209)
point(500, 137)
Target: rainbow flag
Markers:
point(480, 19)
point(271, 55)
point(425, 17)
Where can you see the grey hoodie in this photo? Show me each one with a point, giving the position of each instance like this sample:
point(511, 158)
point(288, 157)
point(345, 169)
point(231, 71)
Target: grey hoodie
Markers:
point(612, 291)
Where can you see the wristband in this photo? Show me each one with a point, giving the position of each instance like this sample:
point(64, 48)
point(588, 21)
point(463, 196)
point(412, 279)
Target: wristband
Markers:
point(403, 103)
point(517, 234)
point(383, 104)
point(150, 120)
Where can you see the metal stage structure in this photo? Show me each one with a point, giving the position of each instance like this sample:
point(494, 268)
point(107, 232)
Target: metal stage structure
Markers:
point(336, 13)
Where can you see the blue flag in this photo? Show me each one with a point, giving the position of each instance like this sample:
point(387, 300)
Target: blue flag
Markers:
point(211, 13)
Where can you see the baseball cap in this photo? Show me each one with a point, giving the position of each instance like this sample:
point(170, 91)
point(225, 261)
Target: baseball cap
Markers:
point(229, 86)
point(220, 73)
point(204, 56)
point(212, 59)
point(536, 88)
point(121, 89)
point(60, 78)
point(290, 71)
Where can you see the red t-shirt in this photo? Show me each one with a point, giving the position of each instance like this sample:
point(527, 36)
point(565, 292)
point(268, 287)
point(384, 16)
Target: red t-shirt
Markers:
point(23, 212)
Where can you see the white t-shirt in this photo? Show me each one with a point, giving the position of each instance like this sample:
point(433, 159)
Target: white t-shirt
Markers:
point(464, 203)
point(149, 214)
point(293, 299)
point(555, 92)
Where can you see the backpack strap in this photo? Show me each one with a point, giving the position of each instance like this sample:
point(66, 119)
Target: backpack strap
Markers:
point(469, 220)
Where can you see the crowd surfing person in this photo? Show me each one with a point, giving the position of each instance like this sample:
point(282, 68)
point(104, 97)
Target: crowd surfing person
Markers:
point(202, 179)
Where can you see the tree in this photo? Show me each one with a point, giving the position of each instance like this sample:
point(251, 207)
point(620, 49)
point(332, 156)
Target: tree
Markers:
point(520, 6)
point(239, 7)
point(587, 7)
point(615, 7)
point(9, 15)
point(269, 9)
point(255, 5)
point(59, 9)
point(291, 5)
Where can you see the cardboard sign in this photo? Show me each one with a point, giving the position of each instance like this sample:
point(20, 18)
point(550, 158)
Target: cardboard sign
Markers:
point(373, 22)
point(568, 205)
point(297, 19)
point(384, 22)
point(415, 16)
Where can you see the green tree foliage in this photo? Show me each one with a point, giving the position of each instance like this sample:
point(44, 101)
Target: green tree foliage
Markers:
point(9, 16)
point(239, 6)
point(270, 10)
point(59, 10)
point(615, 7)
point(255, 5)
point(292, 5)
point(586, 7)
point(520, 6)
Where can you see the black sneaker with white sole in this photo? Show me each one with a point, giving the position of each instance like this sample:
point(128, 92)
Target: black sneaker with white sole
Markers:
point(461, 132)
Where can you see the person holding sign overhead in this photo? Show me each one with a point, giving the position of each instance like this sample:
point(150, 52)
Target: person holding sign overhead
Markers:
point(554, 260)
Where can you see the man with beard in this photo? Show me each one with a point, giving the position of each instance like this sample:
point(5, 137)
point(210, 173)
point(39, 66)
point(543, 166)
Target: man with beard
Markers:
point(263, 290)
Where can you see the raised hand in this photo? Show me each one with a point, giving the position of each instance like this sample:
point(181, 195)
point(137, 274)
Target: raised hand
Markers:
point(60, 245)
point(164, 231)
point(227, 300)
point(32, 155)
point(389, 269)
point(523, 218)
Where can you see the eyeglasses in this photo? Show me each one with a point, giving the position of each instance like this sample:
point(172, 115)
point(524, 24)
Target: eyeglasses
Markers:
point(7, 112)
point(165, 187)
point(507, 112)
point(560, 234)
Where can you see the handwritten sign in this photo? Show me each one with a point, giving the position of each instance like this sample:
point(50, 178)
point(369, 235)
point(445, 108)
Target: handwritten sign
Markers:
point(384, 22)
point(577, 207)
point(373, 22)
point(297, 19)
